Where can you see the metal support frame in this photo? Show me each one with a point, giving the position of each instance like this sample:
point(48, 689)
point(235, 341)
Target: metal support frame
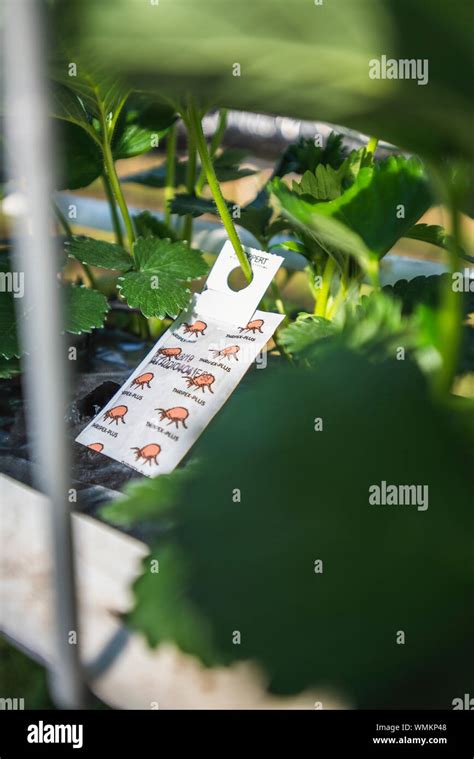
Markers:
point(30, 157)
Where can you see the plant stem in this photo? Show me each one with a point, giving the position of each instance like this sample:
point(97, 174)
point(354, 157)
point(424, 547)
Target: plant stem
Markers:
point(69, 233)
point(278, 298)
point(190, 184)
point(170, 171)
point(112, 177)
point(322, 300)
point(372, 145)
point(451, 312)
point(215, 144)
point(196, 127)
point(113, 210)
point(62, 220)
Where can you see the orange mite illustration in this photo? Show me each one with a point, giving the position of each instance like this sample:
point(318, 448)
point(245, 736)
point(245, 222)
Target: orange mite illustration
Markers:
point(148, 452)
point(176, 414)
point(116, 413)
point(255, 326)
point(195, 329)
point(232, 350)
point(96, 447)
point(170, 351)
point(202, 381)
point(142, 380)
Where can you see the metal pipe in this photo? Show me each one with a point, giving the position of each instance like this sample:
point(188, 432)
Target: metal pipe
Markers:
point(30, 161)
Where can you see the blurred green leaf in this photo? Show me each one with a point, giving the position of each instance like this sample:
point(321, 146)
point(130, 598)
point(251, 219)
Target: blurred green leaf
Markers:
point(425, 291)
point(185, 204)
point(435, 235)
point(226, 166)
point(251, 566)
point(147, 225)
point(156, 177)
point(139, 503)
point(300, 337)
point(312, 63)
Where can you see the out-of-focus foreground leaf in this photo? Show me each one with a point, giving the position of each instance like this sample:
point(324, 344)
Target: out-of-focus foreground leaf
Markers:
point(248, 565)
point(299, 59)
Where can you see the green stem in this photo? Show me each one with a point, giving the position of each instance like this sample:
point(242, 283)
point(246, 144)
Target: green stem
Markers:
point(372, 145)
point(322, 300)
point(117, 227)
point(190, 184)
point(62, 220)
point(213, 147)
point(69, 233)
point(115, 186)
point(170, 172)
point(278, 298)
point(196, 127)
point(451, 313)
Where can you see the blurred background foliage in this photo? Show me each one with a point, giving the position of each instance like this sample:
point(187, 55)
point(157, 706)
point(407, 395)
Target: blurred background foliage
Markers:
point(296, 58)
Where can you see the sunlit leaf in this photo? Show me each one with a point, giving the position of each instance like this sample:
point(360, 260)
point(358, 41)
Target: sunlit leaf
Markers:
point(157, 287)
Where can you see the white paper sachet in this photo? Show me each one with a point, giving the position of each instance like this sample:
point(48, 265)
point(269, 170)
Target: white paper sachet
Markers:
point(157, 415)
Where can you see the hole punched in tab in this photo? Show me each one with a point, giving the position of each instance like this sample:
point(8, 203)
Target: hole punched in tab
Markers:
point(237, 281)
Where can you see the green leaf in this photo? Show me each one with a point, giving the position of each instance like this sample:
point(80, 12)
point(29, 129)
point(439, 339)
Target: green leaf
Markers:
point(256, 221)
point(139, 503)
point(372, 205)
point(150, 112)
point(435, 235)
point(107, 255)
point(66, 106)
point(313, 507)
point(140, 125)
point(334, 237)
point(85, 309)
point(157, 287)
point(299, 337)
point(324, 184)
point(308, 63)
point(156, 177)
point(306, 156)
point(9, 367)
point(99, 93)
point(147, 225)
point(184, 204)
point(369, 210)
point(376, 326)
point(165, 614)
point(225, 166)
point(426, 291)
point(132, 141)
point(80, 158)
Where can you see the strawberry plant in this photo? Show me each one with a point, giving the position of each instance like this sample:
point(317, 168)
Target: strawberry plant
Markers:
point(374, 365)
